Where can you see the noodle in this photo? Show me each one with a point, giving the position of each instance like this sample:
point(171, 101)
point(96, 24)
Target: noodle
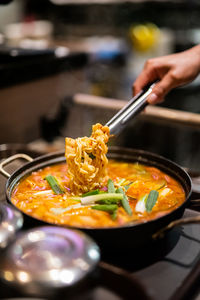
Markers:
point(86, 159)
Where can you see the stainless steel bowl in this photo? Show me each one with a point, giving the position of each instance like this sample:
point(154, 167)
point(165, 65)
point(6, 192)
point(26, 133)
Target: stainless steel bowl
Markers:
point(45, 259)
point(11, 220)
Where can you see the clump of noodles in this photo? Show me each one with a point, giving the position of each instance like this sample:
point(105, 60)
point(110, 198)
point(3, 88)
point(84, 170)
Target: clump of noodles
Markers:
point(86, 159)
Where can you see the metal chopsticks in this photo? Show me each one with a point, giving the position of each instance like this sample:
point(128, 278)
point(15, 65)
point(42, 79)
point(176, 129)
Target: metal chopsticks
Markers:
point(133, 107)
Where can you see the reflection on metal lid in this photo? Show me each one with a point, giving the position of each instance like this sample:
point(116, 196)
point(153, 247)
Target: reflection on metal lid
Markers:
point(48, 257)
point(22, 298)
point(11, 220)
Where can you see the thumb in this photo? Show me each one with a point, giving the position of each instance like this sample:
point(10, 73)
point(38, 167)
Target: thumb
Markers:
point(161, 89)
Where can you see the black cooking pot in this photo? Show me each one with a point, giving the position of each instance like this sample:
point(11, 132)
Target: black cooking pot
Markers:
point(123, 237)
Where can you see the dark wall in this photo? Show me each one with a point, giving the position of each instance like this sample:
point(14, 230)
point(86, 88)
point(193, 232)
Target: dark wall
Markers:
point(177, 15)
point(115, 19)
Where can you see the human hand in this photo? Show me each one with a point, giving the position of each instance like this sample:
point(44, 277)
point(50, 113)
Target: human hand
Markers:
point(172, 71)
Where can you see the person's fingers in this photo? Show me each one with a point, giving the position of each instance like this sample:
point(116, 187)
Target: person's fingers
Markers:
point(148, 75)
point(161, 89)
point(140, 83)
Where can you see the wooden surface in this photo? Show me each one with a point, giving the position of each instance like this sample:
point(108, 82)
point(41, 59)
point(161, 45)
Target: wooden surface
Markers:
point(151, 112)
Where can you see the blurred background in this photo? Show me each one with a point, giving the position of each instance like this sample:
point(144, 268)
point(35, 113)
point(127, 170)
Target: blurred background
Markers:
point(50, 50)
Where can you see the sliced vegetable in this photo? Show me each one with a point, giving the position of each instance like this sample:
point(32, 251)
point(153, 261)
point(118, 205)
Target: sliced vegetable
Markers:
point(114, 215)
point(165, 192)
point(102, 192)
point(151, 200)
point(94, 192)
point(45, 192)
point(108, 201)
point(111, 187)
point(134, 198)
point(141, 204)
point(108, 208)
point(139, 168)
point(121, 181)
point(127, 186)
point(78, 199)
point(160, 184)
point(52, 181)
point(104, 196)
point(125, 202)
point(60, 210)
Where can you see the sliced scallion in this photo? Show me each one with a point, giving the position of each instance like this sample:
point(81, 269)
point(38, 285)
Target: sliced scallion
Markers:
point(104, 196)
point(114, 215)
point(60, 210)
point(77, 199)
point(108, 208)
point(90, 193)
point(141, 204)
point(139, 168)
point(122, 181)
point(108, 201)
point(52, 181)
point(127, 186)
point(125, 202)
point(111, 187)
point(151, 200)
point(160, 185)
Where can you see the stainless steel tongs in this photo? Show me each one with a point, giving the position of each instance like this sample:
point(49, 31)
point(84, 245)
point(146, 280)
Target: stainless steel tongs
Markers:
point(133, 107)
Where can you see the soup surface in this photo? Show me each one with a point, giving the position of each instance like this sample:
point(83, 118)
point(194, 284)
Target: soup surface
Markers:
point(146, 193)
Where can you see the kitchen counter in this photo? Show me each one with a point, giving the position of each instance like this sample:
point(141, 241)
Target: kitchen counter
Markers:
point(33, 83)
point(23, 65)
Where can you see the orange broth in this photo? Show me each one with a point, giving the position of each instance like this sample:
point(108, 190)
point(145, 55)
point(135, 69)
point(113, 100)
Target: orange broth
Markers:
point(34, 196)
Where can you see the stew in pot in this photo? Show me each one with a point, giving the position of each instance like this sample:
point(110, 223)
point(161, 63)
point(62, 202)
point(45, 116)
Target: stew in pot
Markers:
point(89, 191)
point(131, 192)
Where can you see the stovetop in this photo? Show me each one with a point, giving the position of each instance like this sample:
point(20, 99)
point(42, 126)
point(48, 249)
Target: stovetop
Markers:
point(167, 269)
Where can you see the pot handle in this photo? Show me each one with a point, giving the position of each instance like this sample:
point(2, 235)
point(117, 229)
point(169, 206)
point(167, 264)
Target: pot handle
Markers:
point(10, 159)
point(189, 220)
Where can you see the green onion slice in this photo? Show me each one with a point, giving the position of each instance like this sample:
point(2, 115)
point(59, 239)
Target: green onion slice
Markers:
point(141, 204)
point(125, 202)
point(160, 184)
point(114, 215)
point(104, 196)
point(111, 187)
point(108, 201)
point(90, 193)
point(151, 200)
point(121, 181)
point(127, 186)
point(108, 208)
point(139, 168)
point(53, 182)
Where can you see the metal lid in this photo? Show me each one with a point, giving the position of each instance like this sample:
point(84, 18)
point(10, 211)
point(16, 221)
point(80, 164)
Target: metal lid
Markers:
point(47, 258)
point(22, 298)
point(11, 220)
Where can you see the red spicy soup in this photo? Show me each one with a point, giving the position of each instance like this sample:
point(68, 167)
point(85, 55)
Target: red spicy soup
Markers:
point(139, 193)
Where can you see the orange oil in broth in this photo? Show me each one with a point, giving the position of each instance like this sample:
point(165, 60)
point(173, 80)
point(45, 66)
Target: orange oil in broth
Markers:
point(34, 196)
